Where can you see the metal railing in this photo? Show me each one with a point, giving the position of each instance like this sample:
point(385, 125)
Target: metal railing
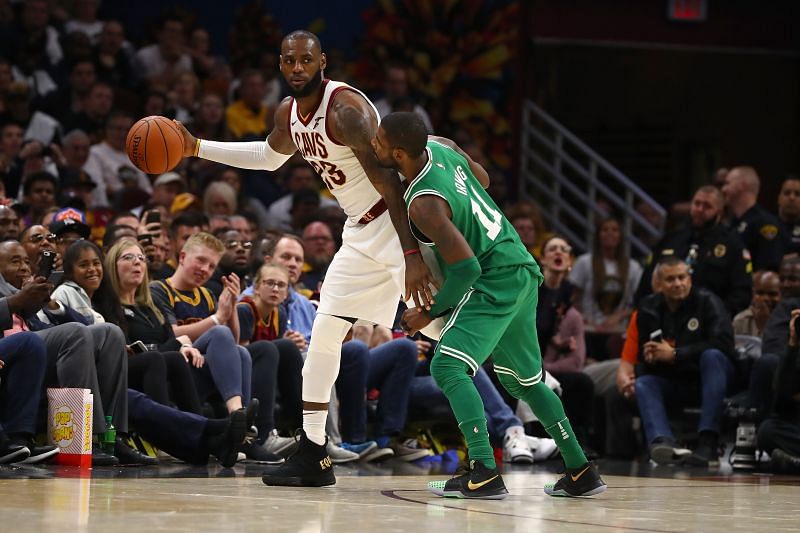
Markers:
point(570, 181)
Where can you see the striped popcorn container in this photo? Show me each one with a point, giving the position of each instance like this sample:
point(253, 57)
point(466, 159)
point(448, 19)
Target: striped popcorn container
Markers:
point(69, 425)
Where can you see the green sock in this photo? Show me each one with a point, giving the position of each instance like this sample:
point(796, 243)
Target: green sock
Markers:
point(568, 445)
point(451, 376)
point(547, 407)
point(477, 437)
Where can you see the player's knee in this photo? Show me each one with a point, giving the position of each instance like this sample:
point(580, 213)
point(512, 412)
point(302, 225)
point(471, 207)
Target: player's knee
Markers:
point(511, 385)
point(327, 334)
point(447, 371)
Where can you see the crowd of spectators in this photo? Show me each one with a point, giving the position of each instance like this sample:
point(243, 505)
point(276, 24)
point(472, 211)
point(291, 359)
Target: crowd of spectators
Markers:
point(187, 298)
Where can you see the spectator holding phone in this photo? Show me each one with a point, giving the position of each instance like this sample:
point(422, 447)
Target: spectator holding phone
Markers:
point(685, 343)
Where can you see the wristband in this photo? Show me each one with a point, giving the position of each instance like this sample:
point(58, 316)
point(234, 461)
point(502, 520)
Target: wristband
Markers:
point(214, 319)
point(413, 251)
point(196, 147)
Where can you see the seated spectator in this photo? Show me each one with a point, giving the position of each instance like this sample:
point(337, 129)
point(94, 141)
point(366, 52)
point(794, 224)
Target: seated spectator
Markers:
point(526, 218)
point(39, 192)
point(760, 391)
point(212, 326)
point(298, 177)
point(766, 295)
point(605, 280)
point(85, 19)
point(219, 199)
point(9, 224)
point(779, 435)
point(142, 321)
point(181, 228)
point(718, 261)
point(37, 239)
point(319, 247)
point(247, 204)
point(789, 214)
point(560, 333)
point(235, 260)
point(159, 63)
point(83, 278)
point(166, 187)
point(108, 158)
point(685, 338)
point(262, 319)
point(69, 225)
point(185, 95)
point(112, 62)
point(69, 99)
point(93, 115)
point(11, 137)
point(396, 92)
point(78, 356)
point(23, 363)
point(210, 120)
point(248, 117)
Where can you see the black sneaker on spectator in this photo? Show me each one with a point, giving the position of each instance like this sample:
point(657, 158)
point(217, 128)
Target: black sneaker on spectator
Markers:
point(11, 452)
point(228, 444)
point(707, 451)
point(255, 453)
point(784, 463)
point(310, 466)
point(280, 445)
point(409, 450)
point(663, 451)
point(37, 453)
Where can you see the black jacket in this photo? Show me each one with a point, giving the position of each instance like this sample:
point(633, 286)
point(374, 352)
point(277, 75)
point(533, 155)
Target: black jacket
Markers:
point(721, 266)
point(758, 229)
point(700, 323)
point(775, 338)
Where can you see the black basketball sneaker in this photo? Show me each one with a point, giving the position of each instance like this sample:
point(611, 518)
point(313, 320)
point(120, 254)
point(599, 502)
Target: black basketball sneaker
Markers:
point(477, 482)
point(581, 481)
point(309, 466)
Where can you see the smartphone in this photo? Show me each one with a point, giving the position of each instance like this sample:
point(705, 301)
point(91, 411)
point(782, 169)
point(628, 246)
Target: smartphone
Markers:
point(153, 217)
point(46, 263)
point(55, 277)
point(137, 347)
point(146, 239)
point(657, 336)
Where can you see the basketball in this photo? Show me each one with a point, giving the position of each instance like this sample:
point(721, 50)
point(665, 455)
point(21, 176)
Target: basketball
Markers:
point(155, 145)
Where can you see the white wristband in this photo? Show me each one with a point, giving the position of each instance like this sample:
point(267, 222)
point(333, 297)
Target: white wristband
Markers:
point(215, 319)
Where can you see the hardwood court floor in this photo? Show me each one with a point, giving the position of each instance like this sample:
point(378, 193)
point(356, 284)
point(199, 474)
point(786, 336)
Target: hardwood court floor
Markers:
point(155, 499)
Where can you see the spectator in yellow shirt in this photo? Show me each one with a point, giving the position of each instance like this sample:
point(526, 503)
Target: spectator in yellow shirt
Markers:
point(249, 116)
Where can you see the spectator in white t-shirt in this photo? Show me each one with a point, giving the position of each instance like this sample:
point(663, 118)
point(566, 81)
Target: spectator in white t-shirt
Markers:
point(108, 159)
point(395, 89)
point(160, 63)
point(605, 280)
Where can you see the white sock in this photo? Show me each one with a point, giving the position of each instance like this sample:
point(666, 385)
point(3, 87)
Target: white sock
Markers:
point(314, 425)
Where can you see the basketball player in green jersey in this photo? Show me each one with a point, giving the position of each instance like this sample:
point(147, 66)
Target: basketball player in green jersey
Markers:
point(488, 301)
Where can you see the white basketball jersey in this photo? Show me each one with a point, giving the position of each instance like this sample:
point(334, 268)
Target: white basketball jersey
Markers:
point(333, 161)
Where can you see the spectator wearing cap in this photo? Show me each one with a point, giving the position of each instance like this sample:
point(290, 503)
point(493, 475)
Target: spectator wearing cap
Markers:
point(166, 188)
point(39, 194)
point(69, 225)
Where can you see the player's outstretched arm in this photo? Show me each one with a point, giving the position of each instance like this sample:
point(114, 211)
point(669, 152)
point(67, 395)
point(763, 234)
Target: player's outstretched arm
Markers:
point(254, 155)
point(355, 124)
point(477, 169)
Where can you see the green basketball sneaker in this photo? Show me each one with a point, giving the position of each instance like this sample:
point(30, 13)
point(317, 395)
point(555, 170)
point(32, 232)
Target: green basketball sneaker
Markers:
point(581, 481)
point(478, 482)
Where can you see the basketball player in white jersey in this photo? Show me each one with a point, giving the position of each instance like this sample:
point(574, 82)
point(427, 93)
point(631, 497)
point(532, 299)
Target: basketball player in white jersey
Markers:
point(332, 125)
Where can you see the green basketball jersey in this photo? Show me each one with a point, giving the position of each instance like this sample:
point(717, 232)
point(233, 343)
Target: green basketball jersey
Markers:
point(493, 239)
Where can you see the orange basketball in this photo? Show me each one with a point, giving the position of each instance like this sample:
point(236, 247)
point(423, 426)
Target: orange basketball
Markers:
point(155, 145)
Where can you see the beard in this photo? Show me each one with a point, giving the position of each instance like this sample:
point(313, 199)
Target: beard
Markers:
point(308, 89)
